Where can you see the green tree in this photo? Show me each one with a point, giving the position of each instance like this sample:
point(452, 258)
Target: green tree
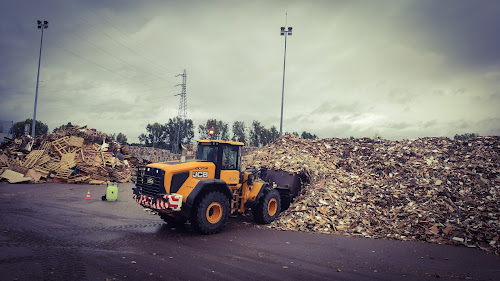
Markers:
point(465, 136)
point(40, 128)
point(257, 133)
point(156, 135)
point(268, 135)
point(143, 139)
point(121, 138)
point(306, 135)
point(239, 131)
point(211, 124)
point(176, 126)
point(221, 130)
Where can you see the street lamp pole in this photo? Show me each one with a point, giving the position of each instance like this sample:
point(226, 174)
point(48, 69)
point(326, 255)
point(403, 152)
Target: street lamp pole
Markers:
point(285, 32)
point(41, 26)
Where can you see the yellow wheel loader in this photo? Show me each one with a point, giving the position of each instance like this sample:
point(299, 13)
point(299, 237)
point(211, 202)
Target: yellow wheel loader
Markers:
point(211, 187)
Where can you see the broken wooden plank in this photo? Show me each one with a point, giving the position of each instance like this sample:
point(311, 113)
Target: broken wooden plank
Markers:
point(14, 177)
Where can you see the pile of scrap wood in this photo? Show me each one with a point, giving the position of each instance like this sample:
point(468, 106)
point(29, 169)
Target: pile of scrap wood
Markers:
point(431, 189)
point(73, 154)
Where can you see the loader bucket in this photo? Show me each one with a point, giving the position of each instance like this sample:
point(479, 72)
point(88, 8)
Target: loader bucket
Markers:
point(286, 180)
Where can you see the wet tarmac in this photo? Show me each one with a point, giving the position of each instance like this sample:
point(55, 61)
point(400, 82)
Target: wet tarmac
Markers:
point(50, 232)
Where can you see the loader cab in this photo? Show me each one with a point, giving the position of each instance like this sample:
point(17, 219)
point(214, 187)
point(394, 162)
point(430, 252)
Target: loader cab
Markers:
point(226, 155)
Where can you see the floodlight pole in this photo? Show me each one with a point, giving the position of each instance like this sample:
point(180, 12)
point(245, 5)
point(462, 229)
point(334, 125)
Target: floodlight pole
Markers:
point(41, 26)
point(285, 32)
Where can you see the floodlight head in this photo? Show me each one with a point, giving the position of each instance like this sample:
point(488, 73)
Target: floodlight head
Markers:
point(39, 21)
point(290, 29)
point(282, 28)
point(46, 22)
point(281, 32)
point(289, 33)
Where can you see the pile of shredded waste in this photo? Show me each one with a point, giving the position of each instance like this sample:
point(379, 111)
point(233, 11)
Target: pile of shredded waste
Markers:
point(431, 189)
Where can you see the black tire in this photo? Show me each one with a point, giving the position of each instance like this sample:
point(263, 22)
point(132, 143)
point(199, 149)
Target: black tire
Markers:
point(268, 208)
point(173, 221)
point(103, 198)
point(285, 199)
point(210, 212)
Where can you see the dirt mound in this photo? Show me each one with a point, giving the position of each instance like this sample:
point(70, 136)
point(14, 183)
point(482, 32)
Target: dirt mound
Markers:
point(431, 189)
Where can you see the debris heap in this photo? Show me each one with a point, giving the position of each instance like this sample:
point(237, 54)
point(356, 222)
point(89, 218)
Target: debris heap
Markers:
point(72, 154)
point(431, 189)
point(152, 154)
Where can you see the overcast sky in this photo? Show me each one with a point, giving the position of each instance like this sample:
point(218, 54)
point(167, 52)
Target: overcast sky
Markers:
point(401, 69)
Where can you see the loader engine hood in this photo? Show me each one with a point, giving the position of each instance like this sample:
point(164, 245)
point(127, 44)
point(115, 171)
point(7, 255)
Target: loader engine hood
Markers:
point(168, 177)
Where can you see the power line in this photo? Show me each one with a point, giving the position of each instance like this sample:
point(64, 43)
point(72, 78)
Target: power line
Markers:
point(74, 89)
point(107, 94)
point(101, 104)
point(116, 56)
point(100, 30)
point(95, 63)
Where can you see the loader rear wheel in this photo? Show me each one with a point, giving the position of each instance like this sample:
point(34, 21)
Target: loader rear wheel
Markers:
point(268, 208)
point(211, 212)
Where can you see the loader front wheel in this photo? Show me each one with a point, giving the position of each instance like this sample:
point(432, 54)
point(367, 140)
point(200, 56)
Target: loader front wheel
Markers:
point(268, 208)
point(211, 212)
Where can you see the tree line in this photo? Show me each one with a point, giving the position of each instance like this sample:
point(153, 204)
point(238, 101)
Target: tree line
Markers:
point(176, 130)
point(165, 136)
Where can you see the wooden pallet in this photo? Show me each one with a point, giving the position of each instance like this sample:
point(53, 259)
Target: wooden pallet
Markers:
point(42, 170)
point(68, 160)
point(61, 145)
point(32, 158)
point(17, 166)
point(75, 141)
point(52, 166)
point(78, 179)
point(44, 159)
point(46, 145)
point(64, 173)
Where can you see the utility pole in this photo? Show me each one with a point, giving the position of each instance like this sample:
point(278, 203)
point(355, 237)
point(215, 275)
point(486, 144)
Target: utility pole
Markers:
point(182, 114)
point(285, 32)
point(41, 26)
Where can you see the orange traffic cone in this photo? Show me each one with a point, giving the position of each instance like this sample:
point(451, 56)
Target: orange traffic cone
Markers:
point(88, 196)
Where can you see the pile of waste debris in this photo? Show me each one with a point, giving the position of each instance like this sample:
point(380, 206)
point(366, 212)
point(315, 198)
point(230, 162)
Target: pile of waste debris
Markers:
point(73, 154)
point(152, 154)
point(431, 189)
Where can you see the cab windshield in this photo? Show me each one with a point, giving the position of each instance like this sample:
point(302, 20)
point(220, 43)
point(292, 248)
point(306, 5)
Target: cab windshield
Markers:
point(229, 160)
point(207, 153)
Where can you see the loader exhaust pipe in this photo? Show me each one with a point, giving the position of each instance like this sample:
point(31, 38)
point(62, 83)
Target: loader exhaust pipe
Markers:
point(183, 150)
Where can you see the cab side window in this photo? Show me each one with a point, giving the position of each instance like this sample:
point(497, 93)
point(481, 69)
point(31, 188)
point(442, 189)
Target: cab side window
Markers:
point(230, 158)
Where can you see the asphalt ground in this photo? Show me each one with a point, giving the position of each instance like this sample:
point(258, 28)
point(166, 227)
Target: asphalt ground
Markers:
point(50, 232)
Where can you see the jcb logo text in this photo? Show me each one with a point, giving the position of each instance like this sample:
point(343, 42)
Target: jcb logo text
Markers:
point(198, 174)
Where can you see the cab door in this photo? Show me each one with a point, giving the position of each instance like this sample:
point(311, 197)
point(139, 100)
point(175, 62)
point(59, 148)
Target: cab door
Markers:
point(230, 163)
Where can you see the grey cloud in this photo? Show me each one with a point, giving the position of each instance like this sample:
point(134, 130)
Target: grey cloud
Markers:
point(429, 124)
point(340, 107)
point(465, 31)
point(397, 125)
